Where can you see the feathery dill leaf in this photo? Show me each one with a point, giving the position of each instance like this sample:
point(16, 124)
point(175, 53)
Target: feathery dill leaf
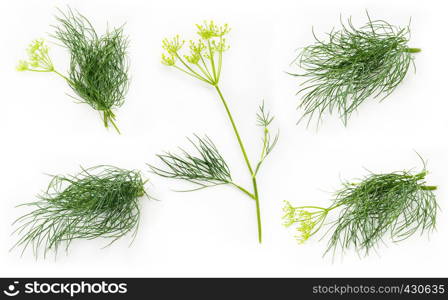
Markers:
point(395, 205)
point(101, 201)
point(264, 119)
point(99, 67)
point(351, 65)
point(206, 169)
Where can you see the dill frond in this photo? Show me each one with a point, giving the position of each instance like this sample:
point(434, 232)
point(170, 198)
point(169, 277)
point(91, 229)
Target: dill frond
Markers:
point(264, 120)
point(101, 201)
point(206, 169)
point(395, 205)
point(351, 65)
point(98, 72)
point(99, 67)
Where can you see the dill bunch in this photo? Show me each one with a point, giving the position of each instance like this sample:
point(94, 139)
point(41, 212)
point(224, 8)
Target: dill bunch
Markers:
point(98, 72)
point(395, 205)
point(351, 65)
point(204, 61)
point(101, 201)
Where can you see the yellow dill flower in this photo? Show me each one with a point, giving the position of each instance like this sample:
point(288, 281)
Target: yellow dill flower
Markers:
point(306, 226)
point(38, 58)
point(209, 30)
point(173, 46)
point(168, 60)
point(22, 65)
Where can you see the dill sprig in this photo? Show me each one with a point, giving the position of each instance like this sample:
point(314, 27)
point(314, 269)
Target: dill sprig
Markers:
point(206, 169)
point(351, 65)
point(101, 201)
point(396, 205)
point(98, 72)
point(264, 119)
point(204, 61)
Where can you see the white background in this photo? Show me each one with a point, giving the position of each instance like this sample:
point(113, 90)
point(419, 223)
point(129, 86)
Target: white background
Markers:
point(213, 232)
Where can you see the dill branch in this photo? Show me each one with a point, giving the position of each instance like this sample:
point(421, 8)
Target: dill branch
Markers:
point(397, 205)
point(351, 65)
point(204, 62)
point(98, 71)
point(206, 169)
point(264, 119)
point(309, 218)
point(101, 201)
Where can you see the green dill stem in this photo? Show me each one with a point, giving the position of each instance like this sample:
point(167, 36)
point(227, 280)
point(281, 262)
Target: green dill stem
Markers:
point(193, 72)
point(110, 116)
point(429, 188)
point(265, 139)
point(68, 80)
point(315, 207)
point(54, 71)
point(243, 190)
point(319, 208)
point(413, 50)
point(115, 125)
point(257, 203)
point(243, 150)
point(240, 142)
point(212, 61)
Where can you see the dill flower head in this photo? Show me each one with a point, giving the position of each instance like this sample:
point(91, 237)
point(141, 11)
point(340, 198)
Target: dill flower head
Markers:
point(204, 60)
point(210, 30)
point(173, 46)
point(290, 214)
point(306, 220)
point(22, 65)
point(196, 50)
point(305, 227)
point(168, 60)
point(38, 58)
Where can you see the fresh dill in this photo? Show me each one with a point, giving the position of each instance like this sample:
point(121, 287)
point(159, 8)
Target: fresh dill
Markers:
point(207, 169)
point(396, 205)
point(101, 201)
point(351, 65)
point(204, 62)
point(98, 72)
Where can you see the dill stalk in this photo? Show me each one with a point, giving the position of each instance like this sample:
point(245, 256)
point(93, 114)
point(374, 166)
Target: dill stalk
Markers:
point(205, 64)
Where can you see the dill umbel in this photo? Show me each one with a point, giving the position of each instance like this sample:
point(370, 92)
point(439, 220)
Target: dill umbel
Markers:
point(395, 205)
point(101, 201)
point(350, 65)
